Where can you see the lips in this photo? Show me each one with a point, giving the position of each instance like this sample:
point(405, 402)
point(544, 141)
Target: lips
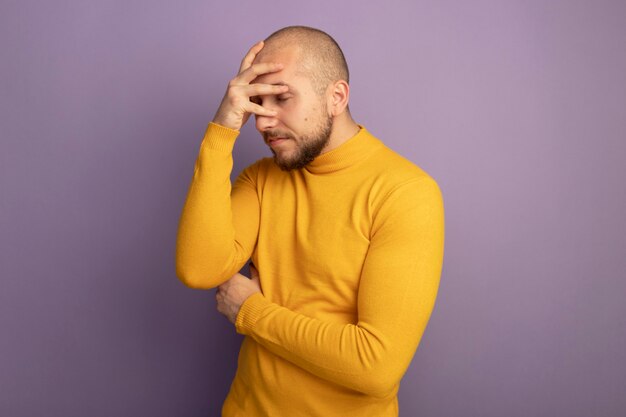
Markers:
point(276, 141)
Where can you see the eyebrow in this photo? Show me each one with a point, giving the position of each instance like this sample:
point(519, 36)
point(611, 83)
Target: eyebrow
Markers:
point(291, 89)
point(284, 83)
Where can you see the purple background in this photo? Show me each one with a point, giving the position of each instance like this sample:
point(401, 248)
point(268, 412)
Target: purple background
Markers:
point(516, 108)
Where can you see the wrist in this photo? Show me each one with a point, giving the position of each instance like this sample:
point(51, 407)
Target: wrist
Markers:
point(225, 122)
point(249, 312)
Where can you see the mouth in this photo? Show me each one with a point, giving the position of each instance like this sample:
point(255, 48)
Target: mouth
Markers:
point(273, 141)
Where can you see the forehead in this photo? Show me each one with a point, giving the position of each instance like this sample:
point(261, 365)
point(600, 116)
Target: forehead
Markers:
point(289, 57)
point(272, 53)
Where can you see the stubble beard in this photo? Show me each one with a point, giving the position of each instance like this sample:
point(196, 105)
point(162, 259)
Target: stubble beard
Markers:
point(308, 147)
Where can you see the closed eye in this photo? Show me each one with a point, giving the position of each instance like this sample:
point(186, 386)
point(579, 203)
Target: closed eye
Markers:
point(259, 101)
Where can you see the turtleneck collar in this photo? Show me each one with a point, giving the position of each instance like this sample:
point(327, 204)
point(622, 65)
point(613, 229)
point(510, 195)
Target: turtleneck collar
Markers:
point(352, 151)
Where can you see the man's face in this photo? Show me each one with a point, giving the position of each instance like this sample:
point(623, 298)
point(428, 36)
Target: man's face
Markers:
point(301, 128)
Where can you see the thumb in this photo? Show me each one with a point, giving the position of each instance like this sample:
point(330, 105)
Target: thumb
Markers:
point(254, 276)
point(254, 273)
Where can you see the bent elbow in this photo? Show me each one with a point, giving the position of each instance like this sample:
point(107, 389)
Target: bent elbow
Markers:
point(378, 379)
point(194, 279)
point(379, 366)
point(379, 386)
point(206, 274)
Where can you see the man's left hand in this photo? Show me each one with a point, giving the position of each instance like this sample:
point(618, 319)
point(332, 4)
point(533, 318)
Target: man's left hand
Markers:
point(231, 294)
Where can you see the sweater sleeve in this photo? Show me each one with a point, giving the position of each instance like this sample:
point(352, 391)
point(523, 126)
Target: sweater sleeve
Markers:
point(218, 227)
point(397, 290)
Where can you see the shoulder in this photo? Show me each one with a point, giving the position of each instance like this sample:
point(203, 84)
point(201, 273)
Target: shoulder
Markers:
point(257, 171)
point(394, 174)
point(408, 200)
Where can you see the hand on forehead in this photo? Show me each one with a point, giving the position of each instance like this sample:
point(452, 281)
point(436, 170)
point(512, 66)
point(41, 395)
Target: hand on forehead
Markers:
point(286, 58)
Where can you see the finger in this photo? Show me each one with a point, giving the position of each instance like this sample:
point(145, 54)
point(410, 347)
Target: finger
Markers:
point(252, 90)
point(256, 70)
point(218, 300)
point(259, 110)
point(249, 58)
point(255, 278)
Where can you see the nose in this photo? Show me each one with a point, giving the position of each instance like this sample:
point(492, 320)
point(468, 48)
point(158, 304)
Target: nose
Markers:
point(264, 123)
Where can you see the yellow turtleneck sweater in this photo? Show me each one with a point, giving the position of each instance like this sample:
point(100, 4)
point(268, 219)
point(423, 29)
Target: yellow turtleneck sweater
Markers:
point(349, 252)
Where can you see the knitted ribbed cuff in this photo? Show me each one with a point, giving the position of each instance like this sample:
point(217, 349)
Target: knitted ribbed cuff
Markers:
point(219, 137)
point(250, 312)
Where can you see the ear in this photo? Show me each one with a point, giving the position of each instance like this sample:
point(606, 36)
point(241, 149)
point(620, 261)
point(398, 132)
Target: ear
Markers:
point(338, 97)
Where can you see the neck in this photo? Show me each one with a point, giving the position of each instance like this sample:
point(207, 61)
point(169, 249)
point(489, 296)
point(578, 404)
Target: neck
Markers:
point(343, 129)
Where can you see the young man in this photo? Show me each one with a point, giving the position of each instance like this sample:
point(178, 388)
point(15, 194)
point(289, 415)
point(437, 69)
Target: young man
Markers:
point(346, 239)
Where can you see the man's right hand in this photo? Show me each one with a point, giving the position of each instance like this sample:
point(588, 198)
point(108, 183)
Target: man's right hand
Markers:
point(236, 106)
